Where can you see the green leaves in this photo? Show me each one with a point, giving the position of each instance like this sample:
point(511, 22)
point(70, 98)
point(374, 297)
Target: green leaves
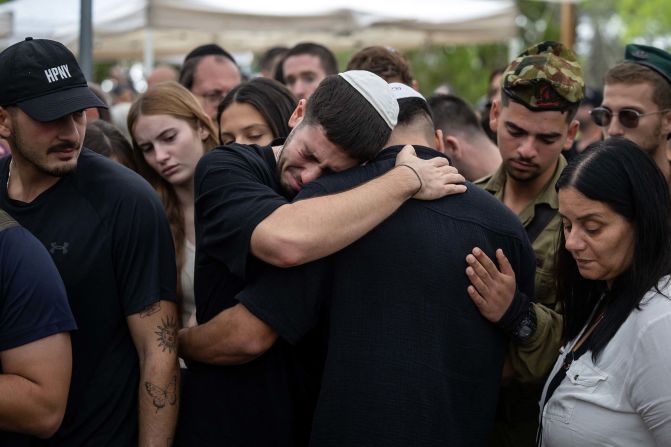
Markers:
point(647, 19)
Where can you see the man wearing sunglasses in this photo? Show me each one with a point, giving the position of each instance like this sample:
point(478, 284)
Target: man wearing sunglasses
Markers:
point(534, 121)
point(637, 102)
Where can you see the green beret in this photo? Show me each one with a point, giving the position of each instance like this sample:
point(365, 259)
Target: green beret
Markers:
point(651, 57)
point(546, 76)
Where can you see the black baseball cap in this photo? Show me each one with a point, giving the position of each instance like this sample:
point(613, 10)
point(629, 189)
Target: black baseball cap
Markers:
point(42, 78)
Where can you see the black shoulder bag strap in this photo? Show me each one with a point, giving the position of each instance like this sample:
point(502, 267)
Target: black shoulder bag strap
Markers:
point(569, 358)
point(543, 214)
point(558, 378)
point(6, 221)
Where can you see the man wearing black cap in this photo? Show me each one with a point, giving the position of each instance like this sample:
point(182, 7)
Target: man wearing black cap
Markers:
point(107, 233)
point(637, 102)
point(210, 72)
point(534, 121)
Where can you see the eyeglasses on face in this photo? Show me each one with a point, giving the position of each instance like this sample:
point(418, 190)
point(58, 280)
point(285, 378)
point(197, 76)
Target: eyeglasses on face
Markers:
point(213, 97)
point(627, 117)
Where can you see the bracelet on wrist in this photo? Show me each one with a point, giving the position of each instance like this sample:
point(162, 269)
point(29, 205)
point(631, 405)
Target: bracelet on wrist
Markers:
point(418, 177)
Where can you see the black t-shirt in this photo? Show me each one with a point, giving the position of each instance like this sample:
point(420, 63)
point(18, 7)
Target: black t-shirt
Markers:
point(33, 303)
point(107, 233)
point(410, 359)
point(259, 403)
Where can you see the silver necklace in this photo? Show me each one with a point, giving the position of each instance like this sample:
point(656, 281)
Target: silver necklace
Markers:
point(9, 173)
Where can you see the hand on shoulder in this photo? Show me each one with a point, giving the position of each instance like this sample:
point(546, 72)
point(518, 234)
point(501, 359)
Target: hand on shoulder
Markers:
point(436, 178)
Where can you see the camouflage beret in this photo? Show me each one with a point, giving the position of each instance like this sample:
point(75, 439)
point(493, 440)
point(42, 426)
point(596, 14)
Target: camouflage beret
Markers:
point(546, 76)
point(651, 57)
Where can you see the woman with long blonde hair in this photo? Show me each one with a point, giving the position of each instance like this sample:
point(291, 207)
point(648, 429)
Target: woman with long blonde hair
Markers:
point(170, 132)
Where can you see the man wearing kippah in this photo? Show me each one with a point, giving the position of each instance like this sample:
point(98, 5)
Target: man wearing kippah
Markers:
point(245, 223)
point(534, 122)
point(409, 361)
point(108, 235)
point(637, 102)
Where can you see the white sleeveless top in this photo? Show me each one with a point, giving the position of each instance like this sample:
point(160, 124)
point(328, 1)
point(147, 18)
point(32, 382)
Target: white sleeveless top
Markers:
point(186, 279)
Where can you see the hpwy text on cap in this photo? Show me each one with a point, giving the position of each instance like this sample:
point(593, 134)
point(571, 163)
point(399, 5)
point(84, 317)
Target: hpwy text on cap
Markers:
point(43, 79)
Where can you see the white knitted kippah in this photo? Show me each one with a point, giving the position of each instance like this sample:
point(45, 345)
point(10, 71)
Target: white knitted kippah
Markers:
point(401, 91)
point(377, 93)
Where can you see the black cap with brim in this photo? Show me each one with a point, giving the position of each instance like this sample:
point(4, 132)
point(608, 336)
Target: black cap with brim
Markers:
point(58, 104)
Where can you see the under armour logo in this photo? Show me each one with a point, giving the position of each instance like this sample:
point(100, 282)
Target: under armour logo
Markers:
point(63, 248)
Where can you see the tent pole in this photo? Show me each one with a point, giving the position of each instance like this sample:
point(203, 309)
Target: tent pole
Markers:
point(86, 39)
point(148, 51)
point(515, 47)
point(568, 24)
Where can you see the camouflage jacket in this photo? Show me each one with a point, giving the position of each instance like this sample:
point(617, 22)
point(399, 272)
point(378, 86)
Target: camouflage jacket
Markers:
point(533, 360)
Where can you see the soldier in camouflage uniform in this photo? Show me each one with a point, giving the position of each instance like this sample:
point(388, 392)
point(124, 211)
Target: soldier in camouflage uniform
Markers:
point(534, 121)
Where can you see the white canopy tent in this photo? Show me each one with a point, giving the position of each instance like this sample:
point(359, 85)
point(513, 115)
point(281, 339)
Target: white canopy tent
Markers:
point(136, 29)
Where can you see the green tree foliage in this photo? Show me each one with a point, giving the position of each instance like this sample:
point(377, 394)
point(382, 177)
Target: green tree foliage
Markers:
point(465, 69)
point(538, 21)
point(647, 19)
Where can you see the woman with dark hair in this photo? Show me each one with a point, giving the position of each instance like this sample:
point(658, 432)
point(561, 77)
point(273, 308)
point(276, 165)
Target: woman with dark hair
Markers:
point(105, 139)
point(170, 133)
point(256, 112)
point(611, 384)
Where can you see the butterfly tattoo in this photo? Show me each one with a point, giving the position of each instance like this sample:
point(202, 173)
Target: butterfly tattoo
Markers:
point(163, 396)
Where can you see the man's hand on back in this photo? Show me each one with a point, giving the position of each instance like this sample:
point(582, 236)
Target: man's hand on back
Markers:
point(435, 177)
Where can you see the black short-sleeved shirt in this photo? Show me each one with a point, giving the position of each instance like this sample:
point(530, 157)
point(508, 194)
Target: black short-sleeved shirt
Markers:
point(256, 404)
point(107, 233)
point(410, 359)
point(33, 303)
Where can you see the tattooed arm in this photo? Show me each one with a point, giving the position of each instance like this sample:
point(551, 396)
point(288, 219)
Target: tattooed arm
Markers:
point(154, 332)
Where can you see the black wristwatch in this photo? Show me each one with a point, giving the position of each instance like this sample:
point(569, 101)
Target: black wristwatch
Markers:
point(526, 326)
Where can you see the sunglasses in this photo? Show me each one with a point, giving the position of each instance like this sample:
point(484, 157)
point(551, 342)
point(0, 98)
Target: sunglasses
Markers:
point(627, 117)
